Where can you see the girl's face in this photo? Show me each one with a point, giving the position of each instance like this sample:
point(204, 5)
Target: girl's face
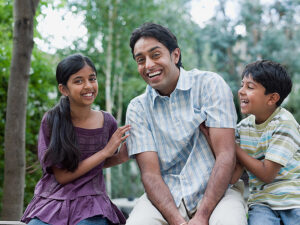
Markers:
point(82, 87)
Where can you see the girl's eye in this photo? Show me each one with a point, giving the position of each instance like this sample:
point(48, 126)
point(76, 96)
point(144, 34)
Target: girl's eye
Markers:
point(93, 79)
point(78, 81)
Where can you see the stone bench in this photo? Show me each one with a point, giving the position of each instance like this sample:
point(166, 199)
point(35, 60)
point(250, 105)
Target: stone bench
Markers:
point(12, 223)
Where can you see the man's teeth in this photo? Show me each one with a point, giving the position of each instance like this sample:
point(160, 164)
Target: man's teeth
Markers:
point(88, 94)
point(154, 74)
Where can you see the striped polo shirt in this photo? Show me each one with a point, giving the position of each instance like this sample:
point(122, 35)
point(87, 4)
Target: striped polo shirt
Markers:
point(170, 127)
point(278, 140)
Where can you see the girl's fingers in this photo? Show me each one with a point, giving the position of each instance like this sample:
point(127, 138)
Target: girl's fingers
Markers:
point(124, 137)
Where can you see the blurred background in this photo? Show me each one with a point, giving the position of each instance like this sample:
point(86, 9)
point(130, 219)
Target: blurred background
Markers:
point(216, 35)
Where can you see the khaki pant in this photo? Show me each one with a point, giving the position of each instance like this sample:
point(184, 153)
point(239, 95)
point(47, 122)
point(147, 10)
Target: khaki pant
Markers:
point(231, 210)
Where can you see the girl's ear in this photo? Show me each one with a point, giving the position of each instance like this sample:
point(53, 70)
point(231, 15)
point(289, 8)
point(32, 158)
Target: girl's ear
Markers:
point(63, 89)
point(274, 98)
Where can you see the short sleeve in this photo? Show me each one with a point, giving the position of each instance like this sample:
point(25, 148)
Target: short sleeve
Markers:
point(217, 101)
point(237, 134)
point(140, 138)
point(284, 143)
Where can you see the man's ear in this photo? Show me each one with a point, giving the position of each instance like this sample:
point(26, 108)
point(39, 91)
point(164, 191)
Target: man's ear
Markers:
point(176, 55)
point(274, 98)
point(63, 89)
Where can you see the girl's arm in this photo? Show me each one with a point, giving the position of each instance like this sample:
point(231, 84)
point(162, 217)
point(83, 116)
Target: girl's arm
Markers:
point(64, 176)
point(120, 157)
point(265, 170)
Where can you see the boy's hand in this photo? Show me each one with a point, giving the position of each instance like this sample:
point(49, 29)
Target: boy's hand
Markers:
point(123, 153)
point(205, 130)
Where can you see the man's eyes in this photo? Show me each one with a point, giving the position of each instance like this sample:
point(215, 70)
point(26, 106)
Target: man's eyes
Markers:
point(140, 60)
point(156, 55)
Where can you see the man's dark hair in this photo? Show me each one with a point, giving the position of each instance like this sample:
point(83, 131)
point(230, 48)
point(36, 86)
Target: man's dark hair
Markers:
point(272, 76)
point(160, 33)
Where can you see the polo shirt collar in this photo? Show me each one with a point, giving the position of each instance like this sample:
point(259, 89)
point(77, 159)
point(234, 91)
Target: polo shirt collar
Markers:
point(184, 83)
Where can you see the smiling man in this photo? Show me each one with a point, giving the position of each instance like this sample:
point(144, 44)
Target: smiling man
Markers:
point(184, 180)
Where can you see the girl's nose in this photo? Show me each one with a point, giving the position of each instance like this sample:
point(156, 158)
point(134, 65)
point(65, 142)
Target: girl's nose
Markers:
point(88, 84)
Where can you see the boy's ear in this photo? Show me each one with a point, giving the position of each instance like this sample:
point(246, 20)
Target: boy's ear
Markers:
point(63, 89)
point(274, 98)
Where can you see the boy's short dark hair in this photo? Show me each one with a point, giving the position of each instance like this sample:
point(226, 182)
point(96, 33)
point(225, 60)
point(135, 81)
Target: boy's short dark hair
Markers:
point(160, 33)
point(272, 76)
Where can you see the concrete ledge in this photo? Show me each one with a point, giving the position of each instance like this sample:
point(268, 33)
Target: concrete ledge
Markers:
point(12, 223)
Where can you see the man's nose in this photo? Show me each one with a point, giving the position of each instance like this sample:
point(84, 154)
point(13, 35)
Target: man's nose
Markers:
point(149, 63)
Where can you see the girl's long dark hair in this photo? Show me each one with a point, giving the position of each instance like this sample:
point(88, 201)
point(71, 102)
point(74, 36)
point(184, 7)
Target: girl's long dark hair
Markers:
point(63, 149)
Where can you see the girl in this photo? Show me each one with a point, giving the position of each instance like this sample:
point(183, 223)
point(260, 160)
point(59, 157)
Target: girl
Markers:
point(75, 143)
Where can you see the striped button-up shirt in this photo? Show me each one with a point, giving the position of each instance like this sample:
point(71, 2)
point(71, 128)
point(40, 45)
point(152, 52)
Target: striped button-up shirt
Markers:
point(170, 127)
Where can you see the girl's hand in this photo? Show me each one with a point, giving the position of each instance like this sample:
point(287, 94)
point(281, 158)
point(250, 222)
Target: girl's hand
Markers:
point(116, 139)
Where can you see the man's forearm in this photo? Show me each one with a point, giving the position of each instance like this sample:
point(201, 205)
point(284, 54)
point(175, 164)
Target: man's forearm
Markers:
point(217, 184)
point(160, 196)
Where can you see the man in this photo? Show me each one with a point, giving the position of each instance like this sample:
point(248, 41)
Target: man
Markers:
point(185, 181)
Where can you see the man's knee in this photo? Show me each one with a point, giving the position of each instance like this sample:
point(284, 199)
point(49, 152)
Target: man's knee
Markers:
point(231, 210)
point(144, 213)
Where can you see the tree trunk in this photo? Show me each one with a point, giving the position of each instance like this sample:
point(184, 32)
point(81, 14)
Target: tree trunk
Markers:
point(14, 144)
point(108, 98)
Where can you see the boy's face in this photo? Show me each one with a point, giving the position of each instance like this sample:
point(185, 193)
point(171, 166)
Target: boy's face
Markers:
point(156, 65)
point(253, 99)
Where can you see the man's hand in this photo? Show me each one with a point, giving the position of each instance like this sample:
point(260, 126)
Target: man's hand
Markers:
point(156, 189)
point(197, 221)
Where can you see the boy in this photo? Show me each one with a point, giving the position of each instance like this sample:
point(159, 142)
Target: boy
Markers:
point(269, 145)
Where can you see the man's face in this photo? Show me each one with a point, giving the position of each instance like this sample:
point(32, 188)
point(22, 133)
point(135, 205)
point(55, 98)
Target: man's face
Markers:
point(156, 65)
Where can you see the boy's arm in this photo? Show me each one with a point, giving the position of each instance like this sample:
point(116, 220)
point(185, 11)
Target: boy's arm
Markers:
point(265, 170)
point(237, 173)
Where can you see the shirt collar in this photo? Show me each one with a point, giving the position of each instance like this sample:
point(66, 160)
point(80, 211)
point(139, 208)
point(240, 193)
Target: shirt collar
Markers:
point(184, 83)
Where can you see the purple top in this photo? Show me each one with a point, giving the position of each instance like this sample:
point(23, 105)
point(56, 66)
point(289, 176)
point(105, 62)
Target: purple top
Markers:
point(82, 198)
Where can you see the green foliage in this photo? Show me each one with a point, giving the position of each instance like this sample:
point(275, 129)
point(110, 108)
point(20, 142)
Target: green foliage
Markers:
point(272, 32)
point(6, 21)
point(41, 97)
point(41, 83)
